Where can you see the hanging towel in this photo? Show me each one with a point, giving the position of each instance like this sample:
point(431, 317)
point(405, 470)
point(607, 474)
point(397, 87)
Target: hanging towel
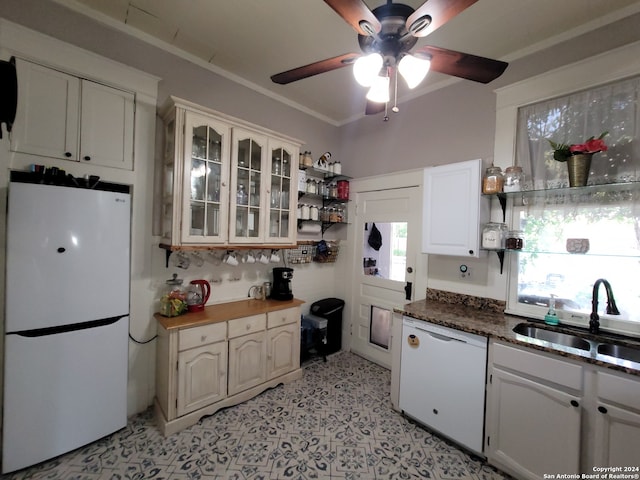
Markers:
point(375, 238)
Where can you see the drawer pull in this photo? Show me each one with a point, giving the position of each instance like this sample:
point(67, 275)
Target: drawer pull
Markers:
point(203, 338)
point(602, 409)
point(248, 327)
point(574, 403)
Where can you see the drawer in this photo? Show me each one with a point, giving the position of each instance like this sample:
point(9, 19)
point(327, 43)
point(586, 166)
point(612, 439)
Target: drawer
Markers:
point(619, 389)
point(555, 370)
point(199, 336)
point(283, 317)
point(246, 325)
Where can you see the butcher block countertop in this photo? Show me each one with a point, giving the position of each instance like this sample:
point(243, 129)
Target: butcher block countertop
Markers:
point(488, 320)
point(226, 311)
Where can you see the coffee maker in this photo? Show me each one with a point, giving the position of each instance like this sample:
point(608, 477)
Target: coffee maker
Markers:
point(281, 289)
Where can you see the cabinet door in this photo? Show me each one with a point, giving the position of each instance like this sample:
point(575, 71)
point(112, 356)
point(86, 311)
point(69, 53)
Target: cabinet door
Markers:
point(247, 366)
point(283, 350)
point(47, 118)
point(617, 436)
point(281, 193)
point(205, 180)
point(249, 179)
point(532, 429)
point(106, 130)
point(453, 209)
point(202, 378)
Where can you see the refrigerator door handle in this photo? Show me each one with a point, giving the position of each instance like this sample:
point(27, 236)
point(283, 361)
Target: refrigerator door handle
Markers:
point(41, 332)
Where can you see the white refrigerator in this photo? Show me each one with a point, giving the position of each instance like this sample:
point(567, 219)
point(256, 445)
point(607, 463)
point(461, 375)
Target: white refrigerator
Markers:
point(67, 318)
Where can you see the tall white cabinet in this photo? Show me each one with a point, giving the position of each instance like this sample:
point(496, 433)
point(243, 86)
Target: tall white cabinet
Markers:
point(226, 182)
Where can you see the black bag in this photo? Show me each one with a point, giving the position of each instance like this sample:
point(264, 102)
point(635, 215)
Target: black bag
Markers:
point(375, 238)
point(9, 96)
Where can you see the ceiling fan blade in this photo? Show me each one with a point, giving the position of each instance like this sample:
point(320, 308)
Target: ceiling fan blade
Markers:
point(354, 13)
point(314, 68)
point(373, 108)
point(463, 65)
point(439, 12)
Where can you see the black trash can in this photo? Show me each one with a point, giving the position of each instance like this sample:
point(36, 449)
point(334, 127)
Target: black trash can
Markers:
point(331, 309)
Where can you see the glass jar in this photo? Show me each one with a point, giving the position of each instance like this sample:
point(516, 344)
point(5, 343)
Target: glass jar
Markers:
point(513, 179)
point(307, 160)
point(514, 240)
point(333, 190)
point(313, 213)
point(311, 186)
point(337, 168)
point(324, 214)
point(173, 301)
point(333, 215)
point(493, 181)
point(305, 213)
point(494, 236)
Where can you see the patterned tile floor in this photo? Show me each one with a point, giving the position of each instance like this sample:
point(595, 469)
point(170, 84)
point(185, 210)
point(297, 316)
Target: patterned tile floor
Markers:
point(334, 423)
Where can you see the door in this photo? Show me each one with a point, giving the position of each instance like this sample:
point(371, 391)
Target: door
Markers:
point(281, 193)
point(247, 366)
point(384, 276)
point(283, 350)
point(106, 133)
point(48, 111)
point(617, 436)
point(206, 180)
point(202, 378)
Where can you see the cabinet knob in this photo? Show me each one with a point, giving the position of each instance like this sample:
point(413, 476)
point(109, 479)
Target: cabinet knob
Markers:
point(87, 158)
point(574, 403)
point(224, 184)
point(602, 409)
point(203, 338)
point(470, 252)
point(248, 327)
point(67, 154)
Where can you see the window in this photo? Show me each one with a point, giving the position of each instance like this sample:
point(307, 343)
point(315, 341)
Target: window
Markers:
point(573, 238)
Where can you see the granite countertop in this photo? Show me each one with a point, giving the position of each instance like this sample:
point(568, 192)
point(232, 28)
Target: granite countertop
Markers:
point(466, 314)
point(222, 312)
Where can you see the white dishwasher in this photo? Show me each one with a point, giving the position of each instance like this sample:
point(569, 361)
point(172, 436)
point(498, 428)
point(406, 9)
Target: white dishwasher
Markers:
point(442, 380)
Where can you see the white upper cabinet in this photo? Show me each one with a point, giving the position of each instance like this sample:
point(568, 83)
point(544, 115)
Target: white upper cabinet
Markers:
point(62, 116)
point(248, 186)
point(282, 192)
point(225, 182)
point(453, 210)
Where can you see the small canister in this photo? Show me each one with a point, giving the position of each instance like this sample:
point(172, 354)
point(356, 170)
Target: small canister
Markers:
point(305, 213)
point(514, 240)
point(493, 181)
point(343, 189)
point(313, 213)
point(493, 236)
point(337, 168)
point(307, 160)
point(513, 179)
point(312, 187)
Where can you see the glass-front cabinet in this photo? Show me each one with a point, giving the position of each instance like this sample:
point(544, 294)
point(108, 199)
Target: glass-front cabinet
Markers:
point(224, 181)
point(206, 180)
point(282, 192)
point(249, 154)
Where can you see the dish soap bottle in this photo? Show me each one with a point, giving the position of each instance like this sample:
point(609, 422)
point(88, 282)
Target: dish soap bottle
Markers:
point(551, 318)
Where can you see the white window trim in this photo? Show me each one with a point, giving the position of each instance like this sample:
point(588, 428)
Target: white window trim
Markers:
point(607, 67)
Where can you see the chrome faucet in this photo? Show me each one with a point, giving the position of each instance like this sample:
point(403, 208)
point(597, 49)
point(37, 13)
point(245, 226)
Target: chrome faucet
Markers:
point(612, 309)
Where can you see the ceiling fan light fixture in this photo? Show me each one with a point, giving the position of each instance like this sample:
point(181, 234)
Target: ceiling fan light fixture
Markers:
point(379, 91)
point(366, 69)
point(414, 69)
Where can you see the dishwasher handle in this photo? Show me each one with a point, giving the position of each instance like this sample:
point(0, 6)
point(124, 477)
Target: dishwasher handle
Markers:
point(441, 337)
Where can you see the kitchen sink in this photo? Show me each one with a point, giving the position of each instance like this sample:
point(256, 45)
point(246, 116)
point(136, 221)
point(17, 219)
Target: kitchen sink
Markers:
point(558, 338)
point(619, 351)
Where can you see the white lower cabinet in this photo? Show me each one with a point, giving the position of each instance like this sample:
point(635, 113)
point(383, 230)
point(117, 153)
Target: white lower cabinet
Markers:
point(203, 367)
point(617, 421)
point(533, 413)
point(547, 414)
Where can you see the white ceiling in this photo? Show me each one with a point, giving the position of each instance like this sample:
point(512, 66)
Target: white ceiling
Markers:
point(250, 40)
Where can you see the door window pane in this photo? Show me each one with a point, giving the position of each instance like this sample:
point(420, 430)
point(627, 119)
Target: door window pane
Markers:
point(389, 259)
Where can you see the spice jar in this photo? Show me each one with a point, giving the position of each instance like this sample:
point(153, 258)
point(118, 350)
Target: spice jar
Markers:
point(493, 181)
point(307, 160)
point(513, 179)
point(514, 240)
point(311, 186)
point(493, 236)
point(305, 213)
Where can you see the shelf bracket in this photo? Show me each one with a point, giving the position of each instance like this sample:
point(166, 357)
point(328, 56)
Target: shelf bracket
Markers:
point(500, 254)
point(503, 203)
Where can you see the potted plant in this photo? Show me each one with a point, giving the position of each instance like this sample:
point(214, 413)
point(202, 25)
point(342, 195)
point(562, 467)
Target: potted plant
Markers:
point(578, 157)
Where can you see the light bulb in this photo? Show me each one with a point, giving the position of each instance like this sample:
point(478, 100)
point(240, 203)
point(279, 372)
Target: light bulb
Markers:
point(379, 91)
point(413, 69)
point(367, 68)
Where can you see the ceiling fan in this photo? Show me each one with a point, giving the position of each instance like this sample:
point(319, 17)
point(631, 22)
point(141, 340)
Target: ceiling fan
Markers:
point(386, 36)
